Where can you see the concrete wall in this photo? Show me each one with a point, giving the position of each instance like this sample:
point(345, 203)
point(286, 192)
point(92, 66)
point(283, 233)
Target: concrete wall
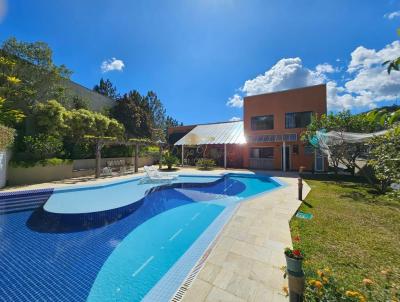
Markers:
point(79, 168)
point(38, 174)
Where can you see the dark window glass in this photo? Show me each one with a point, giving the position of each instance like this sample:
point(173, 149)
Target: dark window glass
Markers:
point(295, 149)
point(267, 152)
point(298, 119)
point(265, 122)
point(309, 150)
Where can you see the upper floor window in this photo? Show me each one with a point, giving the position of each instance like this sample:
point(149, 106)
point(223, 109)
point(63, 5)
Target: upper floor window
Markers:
point(297, 119)
point(265, 122)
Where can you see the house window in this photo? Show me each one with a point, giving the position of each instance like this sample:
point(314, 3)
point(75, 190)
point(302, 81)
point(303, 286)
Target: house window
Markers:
point(295, 149)
point(267, 152)
point(297, 119)
point(308, 150)
point(265, 122)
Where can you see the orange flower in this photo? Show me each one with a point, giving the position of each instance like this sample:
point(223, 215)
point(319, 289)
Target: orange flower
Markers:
point(367, 282)
point(318, 284)
point(320, 273)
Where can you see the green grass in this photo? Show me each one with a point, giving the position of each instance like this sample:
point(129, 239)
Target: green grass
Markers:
point(355, 232)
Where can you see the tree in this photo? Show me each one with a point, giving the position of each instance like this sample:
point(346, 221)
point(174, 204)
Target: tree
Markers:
point(385, 158)
point(133, 111)
point(342, 152)
point(39, 78)
point(49, 118)
point(106, 88)
point(156, 109)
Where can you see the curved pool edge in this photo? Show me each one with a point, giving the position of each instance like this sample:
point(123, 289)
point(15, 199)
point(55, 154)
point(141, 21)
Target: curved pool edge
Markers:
point(173, 285)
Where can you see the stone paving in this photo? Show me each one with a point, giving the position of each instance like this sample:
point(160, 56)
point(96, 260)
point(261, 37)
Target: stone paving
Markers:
point(245, 263)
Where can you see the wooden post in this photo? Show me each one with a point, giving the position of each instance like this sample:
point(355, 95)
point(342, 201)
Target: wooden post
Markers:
point(225, 156)
point(136, 158)
point(159, 162)
point(183, 154)
point(98, 158)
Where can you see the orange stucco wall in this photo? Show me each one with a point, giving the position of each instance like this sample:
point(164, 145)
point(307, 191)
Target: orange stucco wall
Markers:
point(278, 103)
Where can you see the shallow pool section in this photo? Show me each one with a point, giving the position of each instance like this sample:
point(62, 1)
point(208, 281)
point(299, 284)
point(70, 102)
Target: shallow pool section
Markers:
point(135, 247)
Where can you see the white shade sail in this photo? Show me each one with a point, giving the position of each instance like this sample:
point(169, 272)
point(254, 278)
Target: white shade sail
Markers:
point(219, 133)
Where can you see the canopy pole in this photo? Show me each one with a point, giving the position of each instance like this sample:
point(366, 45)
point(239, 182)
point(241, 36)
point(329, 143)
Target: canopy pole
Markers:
point(182, 156)
point(284, 156)
point(225, 156)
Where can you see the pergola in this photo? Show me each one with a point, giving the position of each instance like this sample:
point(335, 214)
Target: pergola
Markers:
point(214, 134)
point(101, 141)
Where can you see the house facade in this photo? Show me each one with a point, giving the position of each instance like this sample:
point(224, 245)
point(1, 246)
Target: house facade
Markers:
point(272, 127)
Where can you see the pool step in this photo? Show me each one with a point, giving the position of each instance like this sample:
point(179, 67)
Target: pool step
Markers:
point(11, 202)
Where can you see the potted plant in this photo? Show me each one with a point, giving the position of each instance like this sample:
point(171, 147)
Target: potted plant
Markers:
point(294, 259)
point(169, 160)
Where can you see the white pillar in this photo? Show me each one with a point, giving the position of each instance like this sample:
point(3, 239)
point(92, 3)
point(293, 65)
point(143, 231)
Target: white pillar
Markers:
point(225, 156)
point(284, 156)
point(183, 151)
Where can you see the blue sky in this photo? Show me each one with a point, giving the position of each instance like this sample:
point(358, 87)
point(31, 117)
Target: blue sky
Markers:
point(197, 55)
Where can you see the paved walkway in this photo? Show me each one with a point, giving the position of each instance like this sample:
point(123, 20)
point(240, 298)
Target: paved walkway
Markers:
point(245, 263)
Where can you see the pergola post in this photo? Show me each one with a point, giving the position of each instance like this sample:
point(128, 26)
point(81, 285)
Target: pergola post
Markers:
point(183, 154)
point(98, 158)
point(284, 156)
point(136, 157)
point(225, 156)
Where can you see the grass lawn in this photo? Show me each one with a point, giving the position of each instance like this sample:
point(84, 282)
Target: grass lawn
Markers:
point(354, 232)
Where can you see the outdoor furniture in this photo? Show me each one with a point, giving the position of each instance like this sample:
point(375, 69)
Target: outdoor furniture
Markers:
point(154, 175)
point(117, 164)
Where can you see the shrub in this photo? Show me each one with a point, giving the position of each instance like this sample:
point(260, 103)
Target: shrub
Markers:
point(43, 146)
point(169, 160)
point(44, 162)
point(385, 158)
point(6, 137)
point(205, 163)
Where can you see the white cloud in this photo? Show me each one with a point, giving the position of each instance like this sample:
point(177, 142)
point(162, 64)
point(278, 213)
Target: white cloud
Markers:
point(235, 101)
point(363, 85)
point(287, 73)
point(392, 15)
point(234, 119)
point(325, 68)
point(112, 64)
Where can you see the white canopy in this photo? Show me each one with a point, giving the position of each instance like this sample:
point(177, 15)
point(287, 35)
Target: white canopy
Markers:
point(219, 133)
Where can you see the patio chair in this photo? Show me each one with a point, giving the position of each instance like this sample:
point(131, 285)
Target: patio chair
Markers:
point(154, 175)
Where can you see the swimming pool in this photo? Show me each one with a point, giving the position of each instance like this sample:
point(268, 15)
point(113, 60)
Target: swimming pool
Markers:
point(139, 245)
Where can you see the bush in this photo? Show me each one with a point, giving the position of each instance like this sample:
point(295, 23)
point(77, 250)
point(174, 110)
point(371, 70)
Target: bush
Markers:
point(44, 162)
point(169, 160)
point(43, 146)
point(205, 163)
point(6, 137)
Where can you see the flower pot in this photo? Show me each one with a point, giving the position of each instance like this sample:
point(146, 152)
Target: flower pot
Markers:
point(293, 265)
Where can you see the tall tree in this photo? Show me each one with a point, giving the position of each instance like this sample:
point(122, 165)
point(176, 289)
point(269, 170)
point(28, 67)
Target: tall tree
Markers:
point(133, 111)
point(157, 110)
point(106, 88)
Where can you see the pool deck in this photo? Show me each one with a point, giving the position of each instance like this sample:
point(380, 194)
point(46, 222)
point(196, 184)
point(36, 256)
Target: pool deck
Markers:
point(245, 261)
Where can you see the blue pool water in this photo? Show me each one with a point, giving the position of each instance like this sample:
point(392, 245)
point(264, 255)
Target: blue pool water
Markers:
point(121, 253)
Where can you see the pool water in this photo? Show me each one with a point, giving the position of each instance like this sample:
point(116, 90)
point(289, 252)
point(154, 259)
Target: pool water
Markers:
point(120, 257)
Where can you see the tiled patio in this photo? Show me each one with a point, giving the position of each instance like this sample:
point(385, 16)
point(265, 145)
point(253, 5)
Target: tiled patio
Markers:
point(245, 263)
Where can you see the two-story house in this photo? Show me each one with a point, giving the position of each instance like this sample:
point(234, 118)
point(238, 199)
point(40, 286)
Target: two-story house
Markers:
point(269, 137)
